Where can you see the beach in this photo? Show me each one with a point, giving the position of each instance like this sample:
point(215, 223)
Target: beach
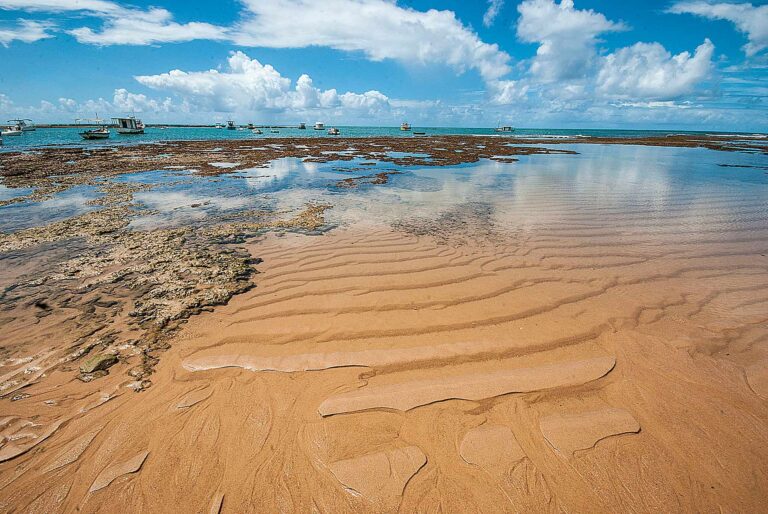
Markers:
point(377, 324)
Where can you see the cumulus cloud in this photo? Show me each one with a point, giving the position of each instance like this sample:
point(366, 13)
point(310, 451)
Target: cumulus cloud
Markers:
point(566, 36)
point(122, 25)
point(649, 71)
point(751, 20)
point(249, 85)
point(494, 7)
point(379, 29)
point(26, 31)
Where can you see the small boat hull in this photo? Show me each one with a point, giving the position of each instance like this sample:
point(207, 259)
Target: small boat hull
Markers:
point(94, 135)
point(5, 133)
point(127, 132)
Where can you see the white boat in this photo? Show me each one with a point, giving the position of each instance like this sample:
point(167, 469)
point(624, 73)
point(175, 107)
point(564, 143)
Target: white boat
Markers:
point(405, 126)
point(319, 125)
point(15, 130)
point(257, 131)
point(129, 125)
point(26, 124)
point(302, 126)
point(219, 126)
point(333, 131)
point(505, 128)
point(274, 131)
point(231, 125)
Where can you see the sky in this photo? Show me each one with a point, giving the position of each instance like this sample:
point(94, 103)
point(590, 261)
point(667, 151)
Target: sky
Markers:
point(655, 64)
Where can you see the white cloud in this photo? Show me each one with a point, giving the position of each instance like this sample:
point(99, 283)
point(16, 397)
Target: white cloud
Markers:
point(27, 31)
point(58, 5)
point(566, 37)
point(5, 103)
point(494, 7)
point(649, 71)
point(122, 25)
point(378, 28)
point(124, 101)
point(505, 92)
point(248, 85)
point(136, 27)
point(751, 20)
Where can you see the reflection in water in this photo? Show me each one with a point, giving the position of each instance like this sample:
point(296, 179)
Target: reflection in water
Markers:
point(611, 184)
point(63, 205)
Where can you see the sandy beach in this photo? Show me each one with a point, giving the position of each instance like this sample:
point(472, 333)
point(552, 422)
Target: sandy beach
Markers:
point(454, 324)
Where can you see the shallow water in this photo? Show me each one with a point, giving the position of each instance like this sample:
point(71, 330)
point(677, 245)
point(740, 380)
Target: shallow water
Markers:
point(622, 182)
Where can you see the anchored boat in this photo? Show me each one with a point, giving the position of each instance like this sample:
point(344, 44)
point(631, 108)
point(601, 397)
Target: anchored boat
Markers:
point(129, 125)
point(14, 130)
point(319, 125)
point(100, 132)
point(333, 131)
point(25, 124)
point(231, 125)
point(405, 126)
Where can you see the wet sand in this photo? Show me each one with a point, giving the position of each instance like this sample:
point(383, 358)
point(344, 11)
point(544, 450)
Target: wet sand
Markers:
point(609, 361)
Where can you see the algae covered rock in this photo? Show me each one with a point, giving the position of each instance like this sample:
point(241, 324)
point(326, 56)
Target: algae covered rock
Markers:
point(98, 362)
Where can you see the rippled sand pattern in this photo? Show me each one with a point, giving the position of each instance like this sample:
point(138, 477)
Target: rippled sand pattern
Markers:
point(610, 358)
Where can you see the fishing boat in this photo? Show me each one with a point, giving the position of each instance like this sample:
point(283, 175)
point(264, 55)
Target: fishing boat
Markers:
point(26, 124)
point(333, 131)
point(504, 128)
point(129, 125)
point(319, 125)
point(251, 126)
point(405, 126)
point(218, 126)
point(231, 125)
point(257, 131)
point(14, 130)
point(302, 126)
point(100, 132)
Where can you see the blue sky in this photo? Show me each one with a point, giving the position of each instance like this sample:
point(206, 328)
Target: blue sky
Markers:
point(688, 64)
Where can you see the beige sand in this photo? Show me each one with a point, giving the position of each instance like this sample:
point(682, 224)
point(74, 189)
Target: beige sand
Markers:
point(573, 369)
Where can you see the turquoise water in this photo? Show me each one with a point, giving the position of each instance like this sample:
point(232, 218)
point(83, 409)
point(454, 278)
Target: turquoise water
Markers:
point(70, 136)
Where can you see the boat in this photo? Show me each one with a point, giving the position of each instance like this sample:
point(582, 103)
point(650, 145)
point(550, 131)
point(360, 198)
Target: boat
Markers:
point(129, 125)
point(333, 131)
point(405, 126)
point(274, 131)
point(302, 126)
point(231, 125)
point(97, 133)
point(257, 131)
point(419, 133)
point(251, 126)
point(100, 132)
point(22, 123)
point(219, 126)
point(319, 125)
point(14, 130)
point(505, 128)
